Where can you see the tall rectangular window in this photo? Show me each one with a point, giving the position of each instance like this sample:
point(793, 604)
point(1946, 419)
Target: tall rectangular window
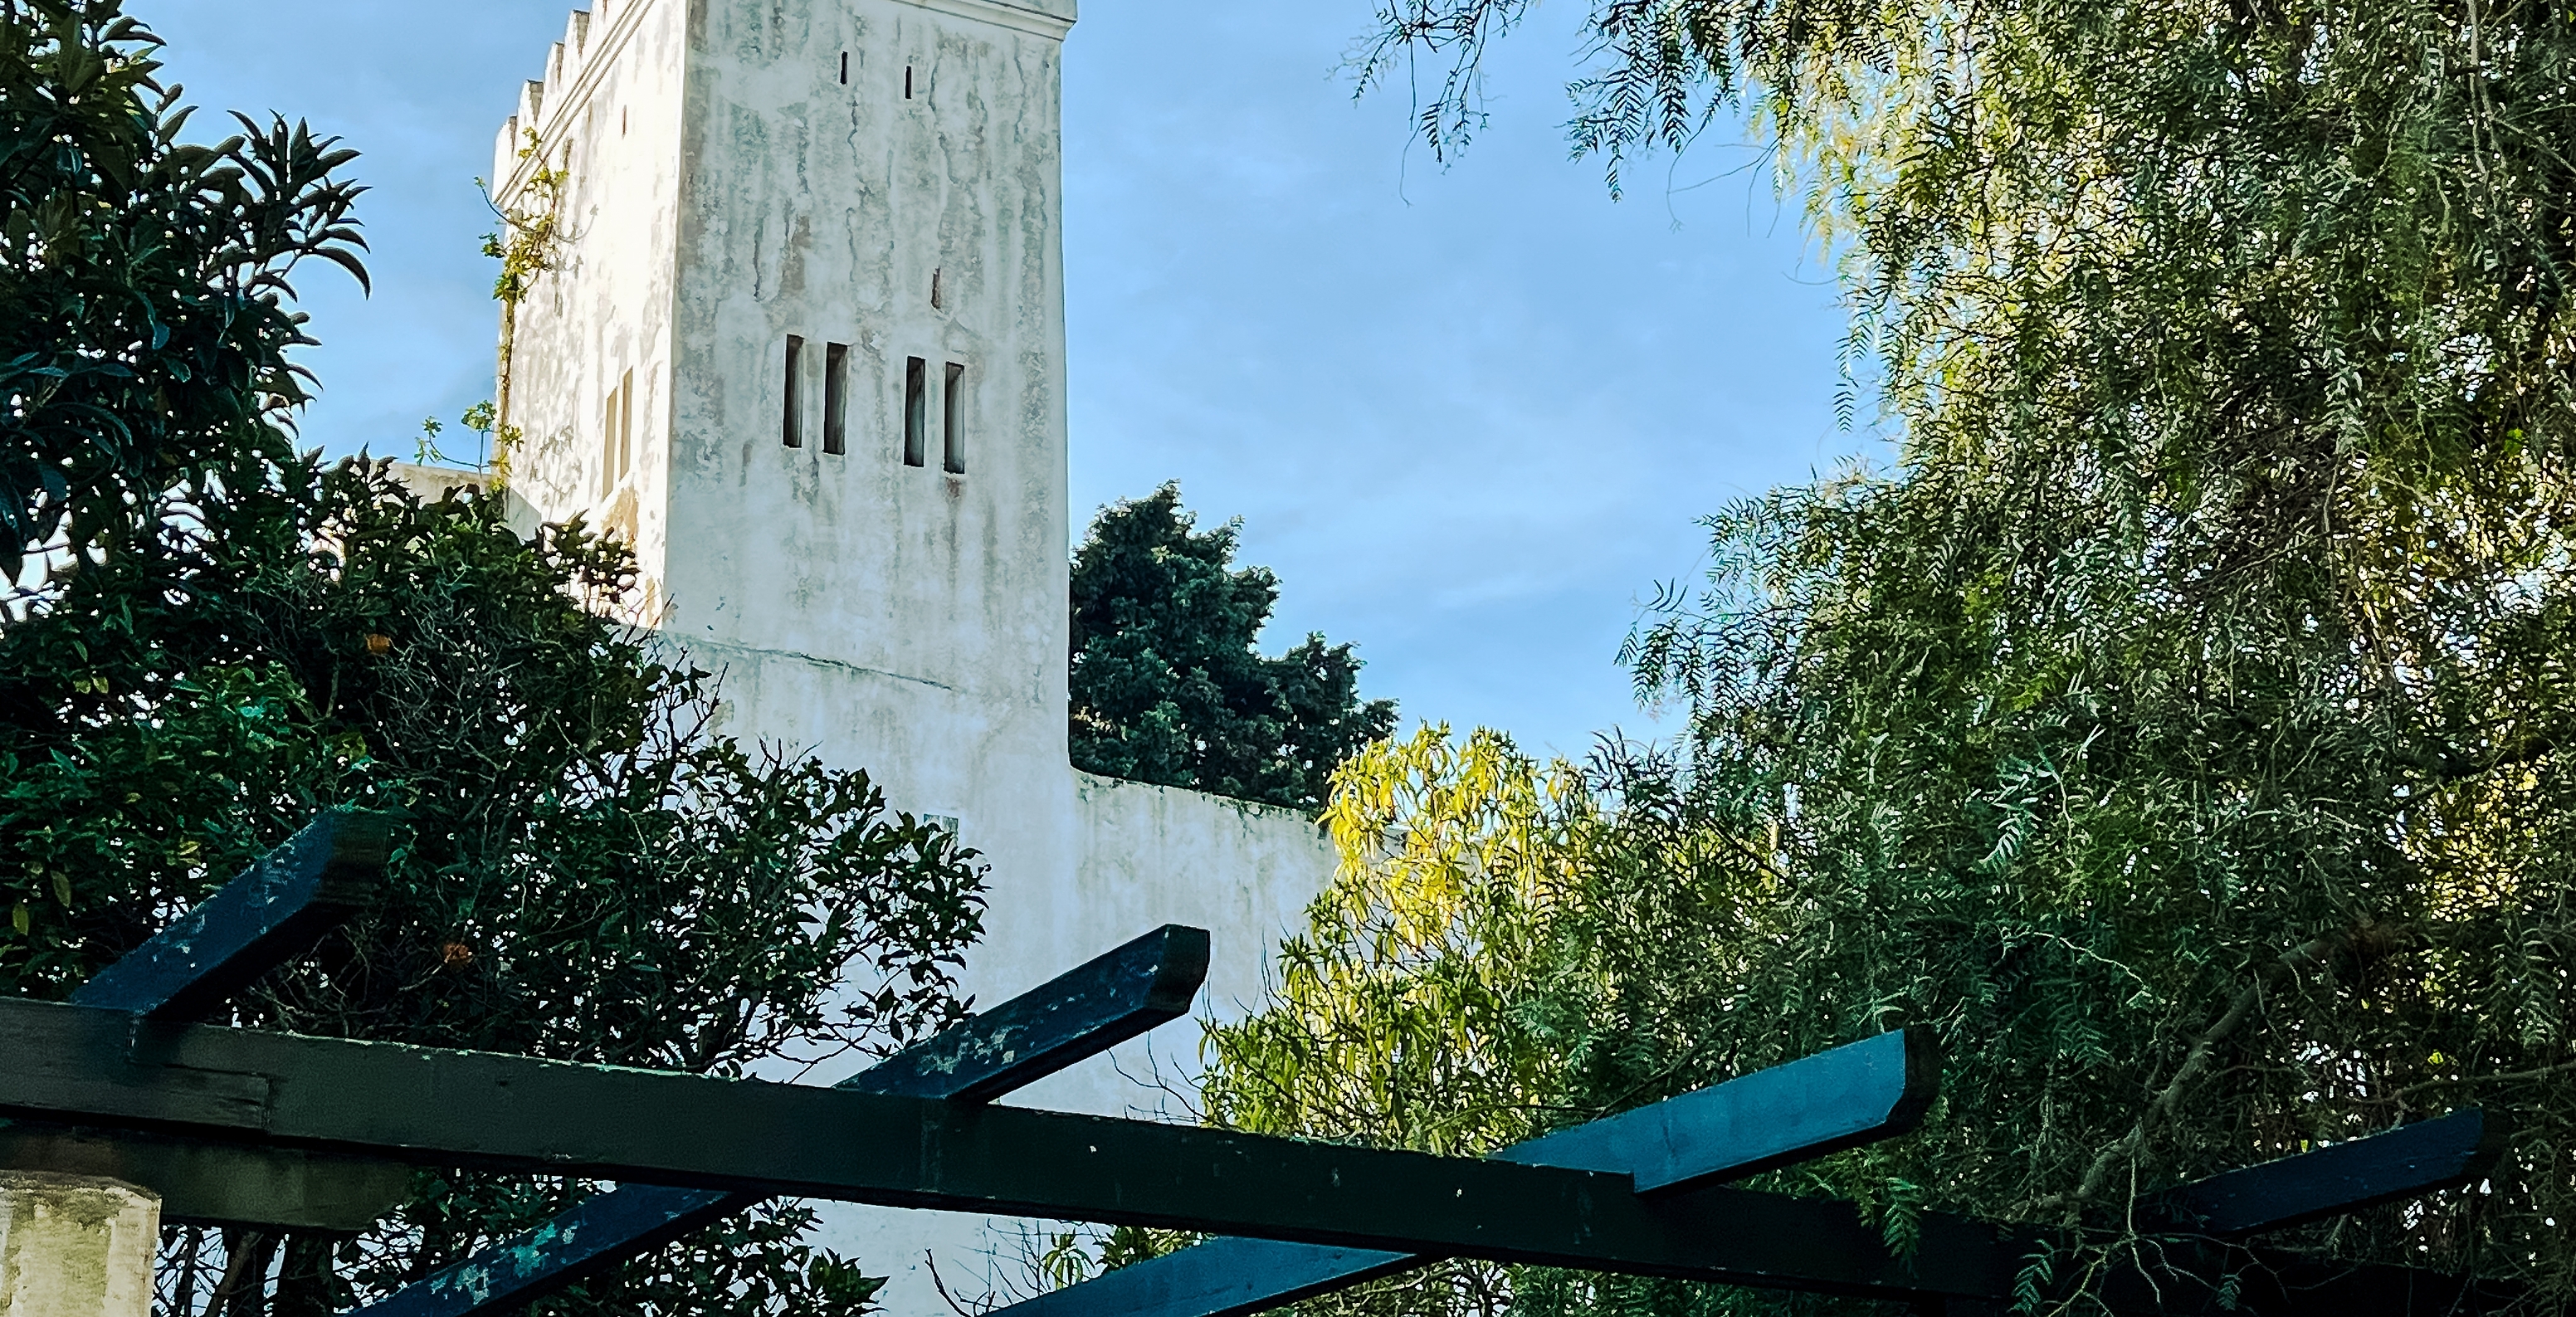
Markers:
point(916, 412)
point(836, 398)
point(625, 425)
point(617, 434)
point(791, 423)
point(608, 443)
point(953, 420)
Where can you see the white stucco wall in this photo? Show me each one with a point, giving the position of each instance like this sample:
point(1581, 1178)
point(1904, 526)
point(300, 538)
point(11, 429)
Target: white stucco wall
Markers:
point(1147, 856)
point(608, 113)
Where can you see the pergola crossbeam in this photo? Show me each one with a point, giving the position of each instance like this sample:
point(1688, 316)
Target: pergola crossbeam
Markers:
point(1084, 1012)
point(1858, 1093)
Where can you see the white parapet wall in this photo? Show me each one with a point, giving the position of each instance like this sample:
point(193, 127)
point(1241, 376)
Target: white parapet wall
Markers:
point(1148, 856)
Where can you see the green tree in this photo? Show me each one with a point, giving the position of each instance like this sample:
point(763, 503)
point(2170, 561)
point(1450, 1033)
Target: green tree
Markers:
point(100, 198)
point(1169, 685)
point(582, 869)
point(2178, 729)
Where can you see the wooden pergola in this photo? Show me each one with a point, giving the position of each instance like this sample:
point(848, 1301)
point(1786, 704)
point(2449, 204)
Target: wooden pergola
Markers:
point(244, 1127)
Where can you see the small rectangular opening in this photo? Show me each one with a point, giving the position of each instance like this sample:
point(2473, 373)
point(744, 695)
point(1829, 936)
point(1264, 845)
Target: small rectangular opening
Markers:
point(625, 425)
point(953, 420)
point(836, 394)
point(791, 423)
point(845, 68)
point(608, 444)
point(907, 82)
point(916, 411)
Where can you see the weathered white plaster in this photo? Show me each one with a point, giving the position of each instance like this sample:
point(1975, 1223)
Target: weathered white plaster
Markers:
point(75, 1246)
point(727, 189)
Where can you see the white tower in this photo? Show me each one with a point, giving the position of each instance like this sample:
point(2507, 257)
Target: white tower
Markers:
point(801, 341)
point(804, 345)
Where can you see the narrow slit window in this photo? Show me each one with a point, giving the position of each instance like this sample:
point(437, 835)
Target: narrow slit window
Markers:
point(791, 423)
point(845, 68)
point(608, 443)
point(626, 425)
point(836, 398)
point(916, 411)
point(953, 421)
point(938, 299)
point(907, 82)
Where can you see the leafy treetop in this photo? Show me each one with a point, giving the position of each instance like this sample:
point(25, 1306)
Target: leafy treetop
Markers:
point(1168, 683)
point(2179, 730)
point(143, 280)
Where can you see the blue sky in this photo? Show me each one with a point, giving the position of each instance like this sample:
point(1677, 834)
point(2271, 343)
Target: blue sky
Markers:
point(1469, 415)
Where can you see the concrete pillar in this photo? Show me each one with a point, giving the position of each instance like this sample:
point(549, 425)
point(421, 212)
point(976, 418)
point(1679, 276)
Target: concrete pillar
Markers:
point(75, 1246)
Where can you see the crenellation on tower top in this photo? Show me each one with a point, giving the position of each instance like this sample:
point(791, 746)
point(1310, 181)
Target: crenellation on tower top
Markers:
point(532, 100)
point(573, 68)
point(505, 157)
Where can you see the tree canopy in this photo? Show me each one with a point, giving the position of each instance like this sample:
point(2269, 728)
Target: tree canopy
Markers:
point(100, 198)
point(2178, 729)
point(1169, 684)
point(217, 637)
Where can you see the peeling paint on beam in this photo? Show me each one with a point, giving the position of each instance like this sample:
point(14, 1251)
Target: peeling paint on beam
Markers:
point(1085, 1012)
point(269, 915)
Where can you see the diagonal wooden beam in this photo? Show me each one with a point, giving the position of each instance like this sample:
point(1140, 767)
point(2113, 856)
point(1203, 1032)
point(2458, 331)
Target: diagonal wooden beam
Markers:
point(1860, 1093)
point(1086, 1011)
point(2406, 1162)
point(1081, 1013)
point(269, 915)
point(1844, 1097)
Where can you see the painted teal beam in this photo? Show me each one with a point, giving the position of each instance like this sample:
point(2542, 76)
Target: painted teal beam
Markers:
point(2336, 1180)
point(517, 1114)
point(1846, 1097)
point(271, 914)
point(1089, 1010)
point(1874, 1089)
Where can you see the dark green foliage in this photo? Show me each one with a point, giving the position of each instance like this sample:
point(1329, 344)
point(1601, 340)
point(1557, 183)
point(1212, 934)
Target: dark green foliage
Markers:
point(1168, 685)
point(2179, 730)
point(143, 280)
point(583, 873)
point(234, 637)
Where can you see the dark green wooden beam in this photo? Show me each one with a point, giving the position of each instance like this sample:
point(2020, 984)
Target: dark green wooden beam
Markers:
point(269, 915)
point(1845, 1097)
point(508, 1113)
point(2406, 1162)
point(273, 912)
point(515, 1114)
point(1084, 1012)
point(230, 1184)
point(1860, 1093)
